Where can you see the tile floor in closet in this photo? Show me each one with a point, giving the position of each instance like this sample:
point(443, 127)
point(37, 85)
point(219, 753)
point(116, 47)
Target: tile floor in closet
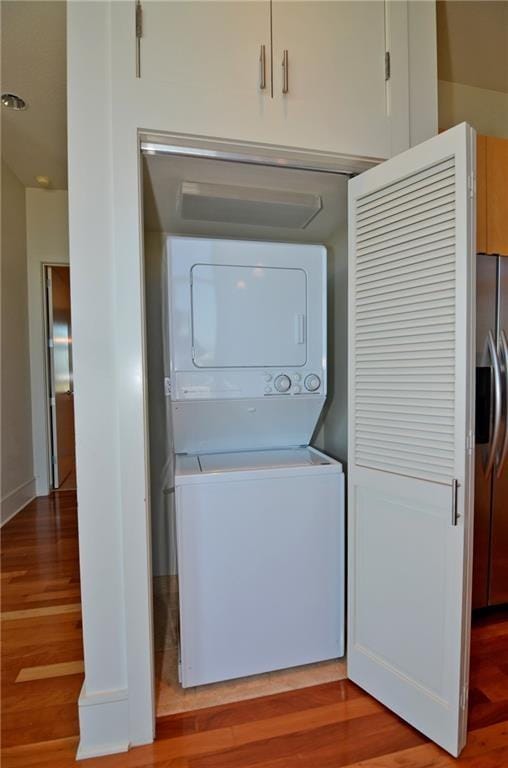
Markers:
point(172, 698)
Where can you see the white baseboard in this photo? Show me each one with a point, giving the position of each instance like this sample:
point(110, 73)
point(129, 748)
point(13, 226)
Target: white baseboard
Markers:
point(103, 723)
point(14, 501)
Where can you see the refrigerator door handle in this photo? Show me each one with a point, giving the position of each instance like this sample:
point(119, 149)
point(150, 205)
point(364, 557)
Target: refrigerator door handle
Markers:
point(504, 450)
point(491, 344)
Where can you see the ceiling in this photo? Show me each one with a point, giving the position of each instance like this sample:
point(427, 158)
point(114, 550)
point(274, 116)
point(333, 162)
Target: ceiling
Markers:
point(473, 43)
point(34, 142)
point(163, 176)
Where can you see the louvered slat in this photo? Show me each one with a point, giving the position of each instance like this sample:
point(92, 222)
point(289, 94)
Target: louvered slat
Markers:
point(404, 330)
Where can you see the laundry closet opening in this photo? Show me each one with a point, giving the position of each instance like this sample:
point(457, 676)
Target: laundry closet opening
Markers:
point(246, 337)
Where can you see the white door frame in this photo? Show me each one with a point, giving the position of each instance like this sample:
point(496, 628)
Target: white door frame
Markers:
point(181, 145)
point(52, 440)
point(49, 426)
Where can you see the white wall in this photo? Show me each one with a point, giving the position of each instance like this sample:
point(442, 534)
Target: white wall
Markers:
point(47, 242)
point(422, 71)
point(333, 433)
point(486, 110)
point(162, 505)
point(104, 708)
point(18, 486)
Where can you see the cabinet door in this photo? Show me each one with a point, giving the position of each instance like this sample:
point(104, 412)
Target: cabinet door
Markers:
point(497, 195)
point(335, 78)
point(206, 47)
point(410, 405)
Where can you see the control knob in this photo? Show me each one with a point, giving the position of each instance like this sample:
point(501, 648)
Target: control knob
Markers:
point(282, 383)
point(312, 382)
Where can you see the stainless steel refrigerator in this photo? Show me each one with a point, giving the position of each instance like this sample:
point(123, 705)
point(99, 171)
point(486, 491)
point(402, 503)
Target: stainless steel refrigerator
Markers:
point(490, 575)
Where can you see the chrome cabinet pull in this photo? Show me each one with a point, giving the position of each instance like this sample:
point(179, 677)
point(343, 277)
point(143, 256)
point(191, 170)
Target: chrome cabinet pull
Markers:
point(504, 449)
point(455, 490)
point(285, 71)
point(139, 34)
point(262, 68)
point(497, 404)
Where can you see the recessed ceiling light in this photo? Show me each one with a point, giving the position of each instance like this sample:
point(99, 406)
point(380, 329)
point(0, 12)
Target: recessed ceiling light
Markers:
point(43, 181)
point(11, 101)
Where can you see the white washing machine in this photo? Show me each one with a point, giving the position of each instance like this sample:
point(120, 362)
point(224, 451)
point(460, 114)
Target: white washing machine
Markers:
point(260, 539)
point(260, 514)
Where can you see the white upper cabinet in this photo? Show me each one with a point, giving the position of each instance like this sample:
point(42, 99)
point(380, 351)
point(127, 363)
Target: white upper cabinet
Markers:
point(216, 69)
point(329, 73)
point(206, 47)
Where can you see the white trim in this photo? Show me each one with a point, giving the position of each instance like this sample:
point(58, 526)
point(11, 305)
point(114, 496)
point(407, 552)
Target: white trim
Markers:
point(103, 714)
point(14, 501)
point(101, 697)
point(183, 145)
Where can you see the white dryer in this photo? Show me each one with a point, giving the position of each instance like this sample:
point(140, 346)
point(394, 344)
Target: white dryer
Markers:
point(260, 515)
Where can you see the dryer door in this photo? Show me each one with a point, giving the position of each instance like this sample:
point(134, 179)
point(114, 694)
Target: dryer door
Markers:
point(248, 316)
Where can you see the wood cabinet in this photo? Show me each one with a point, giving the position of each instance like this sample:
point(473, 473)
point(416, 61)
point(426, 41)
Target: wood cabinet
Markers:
point(492, 195)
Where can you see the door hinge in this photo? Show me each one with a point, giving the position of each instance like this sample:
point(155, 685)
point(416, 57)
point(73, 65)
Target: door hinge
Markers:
point(139, 35)
point(53, 460)
point(388, 66)
point(469, 442)
point(464, 694)
point(51, 343)
point(471, 184)
point(167, 387)
point(52, 402)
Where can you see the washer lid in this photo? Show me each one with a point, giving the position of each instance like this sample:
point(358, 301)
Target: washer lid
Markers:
point(245, 460)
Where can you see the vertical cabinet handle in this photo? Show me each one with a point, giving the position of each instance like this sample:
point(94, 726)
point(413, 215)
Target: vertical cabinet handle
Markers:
point(285, 71)
point(496, 369)
point(262, 68)
point(139, 34)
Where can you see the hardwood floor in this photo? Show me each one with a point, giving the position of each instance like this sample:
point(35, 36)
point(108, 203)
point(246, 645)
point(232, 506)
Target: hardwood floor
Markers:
point(325, 726)
point(42, 650)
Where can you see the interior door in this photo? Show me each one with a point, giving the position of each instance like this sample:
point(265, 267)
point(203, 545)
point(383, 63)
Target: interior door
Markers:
point(411, 387)
point(61, 390)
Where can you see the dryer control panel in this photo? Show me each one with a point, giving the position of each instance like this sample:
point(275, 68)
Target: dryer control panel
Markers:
point(190, 385)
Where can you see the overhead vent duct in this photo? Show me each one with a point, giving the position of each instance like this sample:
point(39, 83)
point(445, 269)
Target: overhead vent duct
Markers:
point(232, 204)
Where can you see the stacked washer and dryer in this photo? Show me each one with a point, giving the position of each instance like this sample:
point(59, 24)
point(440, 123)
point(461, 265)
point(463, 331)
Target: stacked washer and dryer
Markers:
point(259, 512)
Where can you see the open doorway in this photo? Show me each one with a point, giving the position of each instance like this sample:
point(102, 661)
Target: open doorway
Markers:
point(60, 387)
point(164, 180)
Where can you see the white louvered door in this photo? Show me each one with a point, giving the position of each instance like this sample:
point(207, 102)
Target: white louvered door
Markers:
point(411, 318)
